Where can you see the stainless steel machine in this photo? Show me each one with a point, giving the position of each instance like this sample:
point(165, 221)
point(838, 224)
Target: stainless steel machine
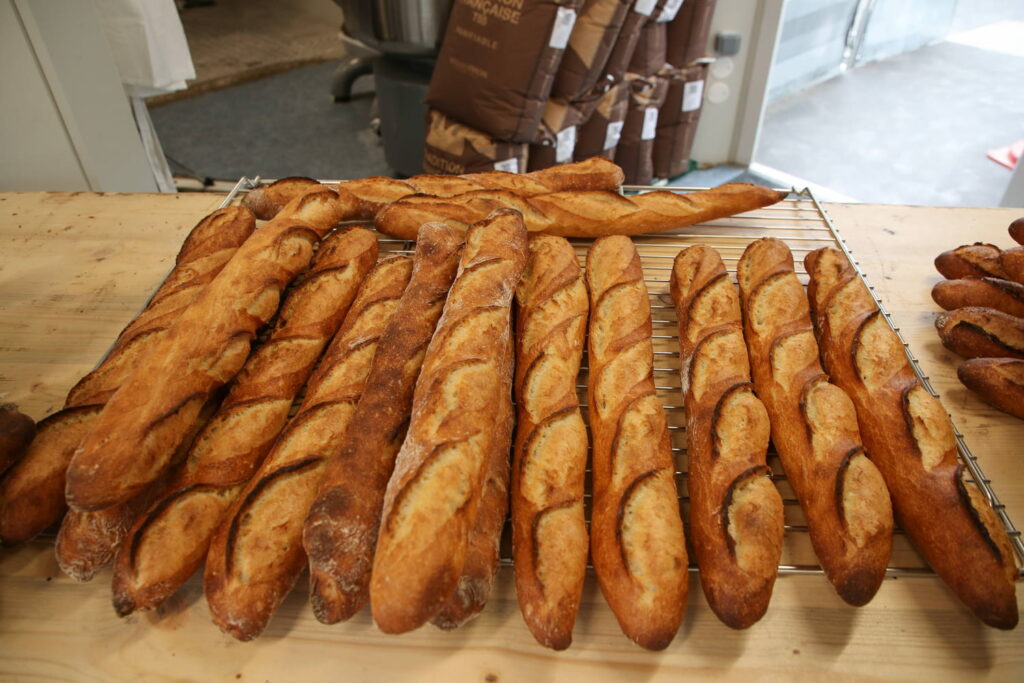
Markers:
point(397, 41)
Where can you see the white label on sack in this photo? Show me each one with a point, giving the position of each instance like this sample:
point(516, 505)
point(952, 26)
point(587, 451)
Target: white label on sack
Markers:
point(560, 32)
point(510, 165)
point(693, 92)
point(611, 137)
point(565, 144)
point(650, 123)
point(644, 7)
point(669, 11)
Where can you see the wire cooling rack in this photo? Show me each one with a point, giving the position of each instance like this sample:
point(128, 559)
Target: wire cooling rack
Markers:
point(802, 223)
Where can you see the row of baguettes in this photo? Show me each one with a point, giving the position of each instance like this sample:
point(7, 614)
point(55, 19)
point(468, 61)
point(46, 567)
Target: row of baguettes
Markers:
point(984, 297)
point(246, 581)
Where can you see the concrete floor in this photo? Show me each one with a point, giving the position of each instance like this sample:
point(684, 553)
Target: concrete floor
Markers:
point(913, 129)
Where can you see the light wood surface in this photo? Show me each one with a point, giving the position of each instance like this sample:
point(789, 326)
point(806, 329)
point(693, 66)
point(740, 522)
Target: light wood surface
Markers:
point(74, 268)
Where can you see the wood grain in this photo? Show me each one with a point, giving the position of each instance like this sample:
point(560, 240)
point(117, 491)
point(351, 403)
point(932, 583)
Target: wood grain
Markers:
point(64, 296)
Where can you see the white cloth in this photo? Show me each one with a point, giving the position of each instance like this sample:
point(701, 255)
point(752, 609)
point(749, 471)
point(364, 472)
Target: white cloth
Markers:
point(149, 45)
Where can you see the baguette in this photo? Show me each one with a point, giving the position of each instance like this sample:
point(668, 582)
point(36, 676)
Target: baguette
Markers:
point(205, 252)
point(265, 202)
point(636, 533)
point(16, 432)
point(814, 427)
point(256, 553)
point(975, 332)
point(997, 381)
point(990, 292)
point(1016, 230)
point(32, 494)
point(340, 531)
point(736, 516)
point(483, 550)
point(970, 260)
point(370, 195)
point(1012, 263)
point(88, 540)
point(911, 440)
point(549, 532)
point(579, 214)
point(432, 498)
point(169, 542)
point(145, 421)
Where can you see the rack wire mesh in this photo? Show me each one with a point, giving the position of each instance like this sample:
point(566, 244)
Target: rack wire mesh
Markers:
point(803, 224)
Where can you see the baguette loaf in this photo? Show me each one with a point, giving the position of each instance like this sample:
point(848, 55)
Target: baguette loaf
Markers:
point(16, 432)
point(483, 550)
point(970, 260)
point(997, 381)
point(636, 533)
point(911, 440)
point(370, 195)
point(32, 494)
point(736, 517)
point(205, 252)
point(976, 332)
point(256, 553)
point(267, 201)
point(167, 544)
point(340, 532)
point(549, 532)
point(1012, 263)
point(814, 427)
point(1016, 230)
point(432, 499)
point(579, 214)
point(990, 292)
point(145, 421)
point(88, 540)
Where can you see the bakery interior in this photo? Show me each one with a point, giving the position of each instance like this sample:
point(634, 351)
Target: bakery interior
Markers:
point(854, 161)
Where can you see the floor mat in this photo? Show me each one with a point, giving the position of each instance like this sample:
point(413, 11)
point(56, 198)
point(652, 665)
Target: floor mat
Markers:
point(275, 127)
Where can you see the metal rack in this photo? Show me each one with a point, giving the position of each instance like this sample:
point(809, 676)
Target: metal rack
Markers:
point(802, 223)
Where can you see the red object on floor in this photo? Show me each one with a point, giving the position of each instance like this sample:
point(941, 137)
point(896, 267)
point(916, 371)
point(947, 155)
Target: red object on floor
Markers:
point(1007, 156)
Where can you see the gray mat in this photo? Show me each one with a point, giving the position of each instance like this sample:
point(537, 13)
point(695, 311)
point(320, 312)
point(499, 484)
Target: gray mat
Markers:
point(279, 126)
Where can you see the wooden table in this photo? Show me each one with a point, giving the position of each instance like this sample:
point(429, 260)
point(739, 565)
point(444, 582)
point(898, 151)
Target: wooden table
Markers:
point(74, 268)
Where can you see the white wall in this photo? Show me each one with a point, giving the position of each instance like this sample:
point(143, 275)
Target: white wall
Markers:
point(65, 122)
point(735, 93)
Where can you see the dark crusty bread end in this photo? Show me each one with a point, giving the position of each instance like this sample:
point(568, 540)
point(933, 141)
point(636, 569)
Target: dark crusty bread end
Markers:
point(990, 292)
point(970, 260)
point(976, 332)
point(16, 432)
point(997, 381)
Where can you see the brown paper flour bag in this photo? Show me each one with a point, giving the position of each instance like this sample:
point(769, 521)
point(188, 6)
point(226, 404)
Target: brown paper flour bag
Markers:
point(452, 148)
point(590, 44)
point(599, 136)
point(634, 152)
point(678, 119)
point(498, 61)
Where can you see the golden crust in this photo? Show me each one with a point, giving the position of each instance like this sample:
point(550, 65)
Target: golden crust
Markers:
point(736, 517)
point(814, 427)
